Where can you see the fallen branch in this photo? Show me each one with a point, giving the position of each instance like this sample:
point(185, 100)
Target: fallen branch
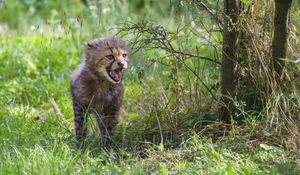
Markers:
point(55, 108)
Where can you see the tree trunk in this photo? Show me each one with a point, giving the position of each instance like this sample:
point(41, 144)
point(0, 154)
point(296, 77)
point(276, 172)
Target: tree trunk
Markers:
point(279, 44)
point(230, 57)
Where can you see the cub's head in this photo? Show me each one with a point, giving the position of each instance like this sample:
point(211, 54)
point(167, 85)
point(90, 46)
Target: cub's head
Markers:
point(108, 57)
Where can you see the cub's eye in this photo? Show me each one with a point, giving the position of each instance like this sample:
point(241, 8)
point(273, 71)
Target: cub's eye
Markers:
point(124, 55)
point(110, 57)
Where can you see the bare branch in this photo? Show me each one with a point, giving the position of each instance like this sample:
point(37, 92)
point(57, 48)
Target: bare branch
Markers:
point(201, 5)
point(154, 37)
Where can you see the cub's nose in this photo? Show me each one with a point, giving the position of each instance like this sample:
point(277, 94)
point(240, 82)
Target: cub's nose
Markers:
point(121, 64)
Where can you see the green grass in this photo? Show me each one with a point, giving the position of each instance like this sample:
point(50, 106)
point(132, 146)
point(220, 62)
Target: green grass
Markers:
point(37, 59)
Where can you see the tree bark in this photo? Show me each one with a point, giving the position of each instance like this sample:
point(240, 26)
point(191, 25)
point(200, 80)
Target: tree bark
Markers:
point(279, 44)
point(230, 57)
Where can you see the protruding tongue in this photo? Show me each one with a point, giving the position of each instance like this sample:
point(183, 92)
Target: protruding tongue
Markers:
point(117, 74)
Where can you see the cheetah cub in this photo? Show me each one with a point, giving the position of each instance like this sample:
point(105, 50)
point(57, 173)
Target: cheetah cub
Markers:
point(97, 87)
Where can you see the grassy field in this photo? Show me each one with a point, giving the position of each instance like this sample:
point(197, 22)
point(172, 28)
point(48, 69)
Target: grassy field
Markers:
point(39, 49)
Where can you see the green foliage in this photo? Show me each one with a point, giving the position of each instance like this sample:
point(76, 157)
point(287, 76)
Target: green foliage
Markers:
point(169, 121)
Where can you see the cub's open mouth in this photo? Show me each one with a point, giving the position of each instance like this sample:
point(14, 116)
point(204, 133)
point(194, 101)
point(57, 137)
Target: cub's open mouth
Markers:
point(116, 74)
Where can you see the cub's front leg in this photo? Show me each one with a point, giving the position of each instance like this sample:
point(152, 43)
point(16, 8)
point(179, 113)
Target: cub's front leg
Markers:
point(107, 126)
point(80, 120)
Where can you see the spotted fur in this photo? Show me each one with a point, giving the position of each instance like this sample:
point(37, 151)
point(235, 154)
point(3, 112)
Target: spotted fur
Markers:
point(96, 86)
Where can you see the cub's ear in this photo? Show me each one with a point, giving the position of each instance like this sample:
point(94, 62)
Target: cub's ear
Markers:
point(88, 46)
